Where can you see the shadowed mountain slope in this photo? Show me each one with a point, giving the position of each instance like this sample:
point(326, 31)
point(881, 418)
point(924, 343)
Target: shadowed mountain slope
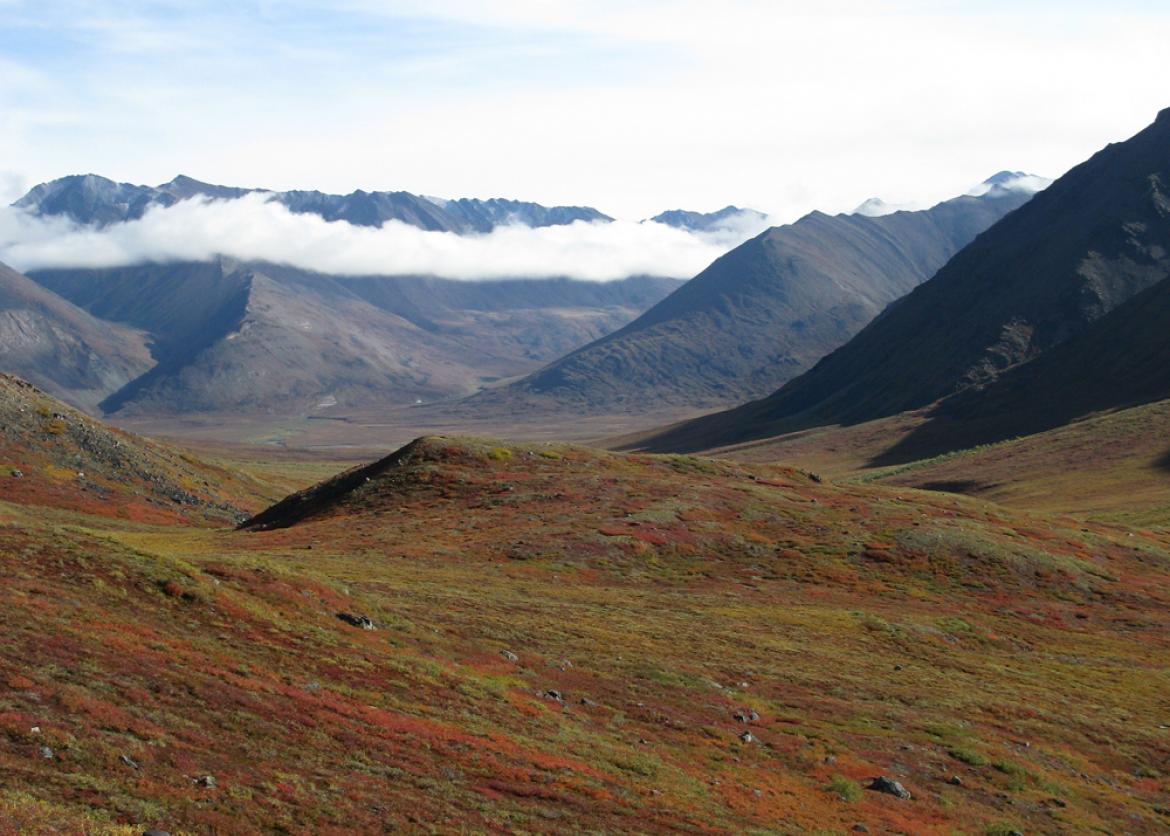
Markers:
point(762, 313)
point(1121, 360)
point(61, 347)
point(1095, 238)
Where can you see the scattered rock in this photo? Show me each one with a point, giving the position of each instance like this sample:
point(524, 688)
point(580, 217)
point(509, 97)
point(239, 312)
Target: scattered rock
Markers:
point(556, 696)
point(46, 753)
point(129, 761)
point(17, 474)
point(206, 781)
point(362, 621)
point(955, 781)
point(35, 730)
point(588, 702)
point(889, 787)
point(897, 667)
point(155, 833)
point(860, 828)
point(746, 715)
point(510, 656)
point(830, 759)
point(747, 737)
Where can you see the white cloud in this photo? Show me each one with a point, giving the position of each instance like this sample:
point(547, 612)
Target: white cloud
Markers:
point(783, 105)
point(12, 185)
point(875, 207)
point(255, 229)
point(1016, 181)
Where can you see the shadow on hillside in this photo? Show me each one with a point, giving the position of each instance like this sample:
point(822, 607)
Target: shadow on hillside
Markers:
point(939, 434)
point(1164, 462)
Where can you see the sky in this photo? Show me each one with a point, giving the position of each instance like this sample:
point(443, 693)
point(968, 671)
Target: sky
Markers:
point(631, 107)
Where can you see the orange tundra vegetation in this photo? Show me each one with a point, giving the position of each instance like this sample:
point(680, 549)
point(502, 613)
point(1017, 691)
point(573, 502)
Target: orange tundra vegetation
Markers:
point(566, 639)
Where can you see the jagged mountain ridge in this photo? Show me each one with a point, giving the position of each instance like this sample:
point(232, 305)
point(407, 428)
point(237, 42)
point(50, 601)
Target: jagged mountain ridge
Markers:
point(91, 200)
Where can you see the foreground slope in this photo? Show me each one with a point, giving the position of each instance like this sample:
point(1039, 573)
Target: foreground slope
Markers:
point(54, 456)
point(47, 340)
point(1112, 466)
point(763, 313)
point(569, 639)
point(1095, 238)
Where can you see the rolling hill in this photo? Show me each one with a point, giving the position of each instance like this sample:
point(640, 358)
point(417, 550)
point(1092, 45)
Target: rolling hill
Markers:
point(475, 636)
point(54, 456)
point(761, 314)
point(1094, 239)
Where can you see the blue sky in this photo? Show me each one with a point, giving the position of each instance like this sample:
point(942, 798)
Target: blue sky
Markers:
point(632, 107)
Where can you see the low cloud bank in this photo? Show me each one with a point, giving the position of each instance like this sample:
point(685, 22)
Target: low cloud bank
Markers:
point(254, 229)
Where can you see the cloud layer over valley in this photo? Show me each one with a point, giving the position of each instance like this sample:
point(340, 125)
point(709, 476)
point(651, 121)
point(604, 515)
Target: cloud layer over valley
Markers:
point(254, 228)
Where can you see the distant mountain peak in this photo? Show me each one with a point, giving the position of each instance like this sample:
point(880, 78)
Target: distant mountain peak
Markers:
point(1002, 182)
point(728, 216)
point(1012, 181)
point(875, 207)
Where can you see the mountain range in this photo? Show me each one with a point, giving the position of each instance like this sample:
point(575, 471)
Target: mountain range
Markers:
point(95, 201)
point(91, 200)
point(1016, 330)
point(763, 313)
point(262, 338)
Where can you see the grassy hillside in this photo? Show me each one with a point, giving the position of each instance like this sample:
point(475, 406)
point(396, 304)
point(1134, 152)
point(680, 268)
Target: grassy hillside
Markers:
point(54, 456)
point(570, 639)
